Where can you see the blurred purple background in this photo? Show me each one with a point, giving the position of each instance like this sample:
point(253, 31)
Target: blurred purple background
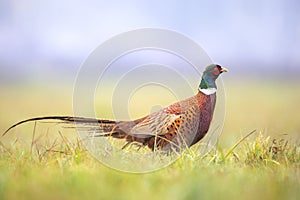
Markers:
point(48, 40)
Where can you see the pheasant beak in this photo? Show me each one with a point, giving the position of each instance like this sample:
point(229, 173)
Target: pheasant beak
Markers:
point(224, 70)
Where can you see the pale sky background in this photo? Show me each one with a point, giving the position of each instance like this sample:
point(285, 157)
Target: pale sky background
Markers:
point(42, 39)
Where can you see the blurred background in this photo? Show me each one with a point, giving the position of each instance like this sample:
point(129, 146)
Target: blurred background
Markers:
point(43, 44)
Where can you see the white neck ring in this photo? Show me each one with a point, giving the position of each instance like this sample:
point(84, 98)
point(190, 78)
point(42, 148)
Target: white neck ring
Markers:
point(208, 91)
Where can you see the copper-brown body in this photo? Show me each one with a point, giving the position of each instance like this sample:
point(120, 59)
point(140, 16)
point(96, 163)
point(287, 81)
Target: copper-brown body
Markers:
point(177, 126)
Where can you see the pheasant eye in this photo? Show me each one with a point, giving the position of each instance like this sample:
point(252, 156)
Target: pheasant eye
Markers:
point(216, 71)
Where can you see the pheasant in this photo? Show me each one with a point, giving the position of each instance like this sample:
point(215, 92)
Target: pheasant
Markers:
point(175, 127)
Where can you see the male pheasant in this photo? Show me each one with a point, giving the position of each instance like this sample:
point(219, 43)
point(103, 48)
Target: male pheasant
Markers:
point(175, 127)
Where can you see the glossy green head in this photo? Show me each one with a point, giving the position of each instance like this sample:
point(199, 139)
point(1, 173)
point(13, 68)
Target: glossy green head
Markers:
point(210, 74)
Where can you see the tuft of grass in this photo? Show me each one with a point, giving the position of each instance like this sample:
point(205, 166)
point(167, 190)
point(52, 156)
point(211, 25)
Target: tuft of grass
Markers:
point(264, 150)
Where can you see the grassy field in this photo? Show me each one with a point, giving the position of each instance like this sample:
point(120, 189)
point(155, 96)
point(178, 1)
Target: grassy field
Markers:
point(266, 165)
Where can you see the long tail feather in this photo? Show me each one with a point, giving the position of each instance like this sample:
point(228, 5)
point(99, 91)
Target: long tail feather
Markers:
point(66, 119)
point(104, 128)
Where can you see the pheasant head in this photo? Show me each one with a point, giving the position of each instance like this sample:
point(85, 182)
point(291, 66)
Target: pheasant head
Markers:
point(208, 81)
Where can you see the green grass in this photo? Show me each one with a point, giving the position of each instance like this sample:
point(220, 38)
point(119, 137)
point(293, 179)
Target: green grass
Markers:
point(265, 165)
point(258, 168)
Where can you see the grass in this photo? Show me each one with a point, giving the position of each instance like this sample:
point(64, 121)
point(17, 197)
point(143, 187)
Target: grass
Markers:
point(259, 168)
point(265, 165)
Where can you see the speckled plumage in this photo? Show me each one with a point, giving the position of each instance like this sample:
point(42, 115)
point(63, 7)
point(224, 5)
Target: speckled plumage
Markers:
point(177, 126)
